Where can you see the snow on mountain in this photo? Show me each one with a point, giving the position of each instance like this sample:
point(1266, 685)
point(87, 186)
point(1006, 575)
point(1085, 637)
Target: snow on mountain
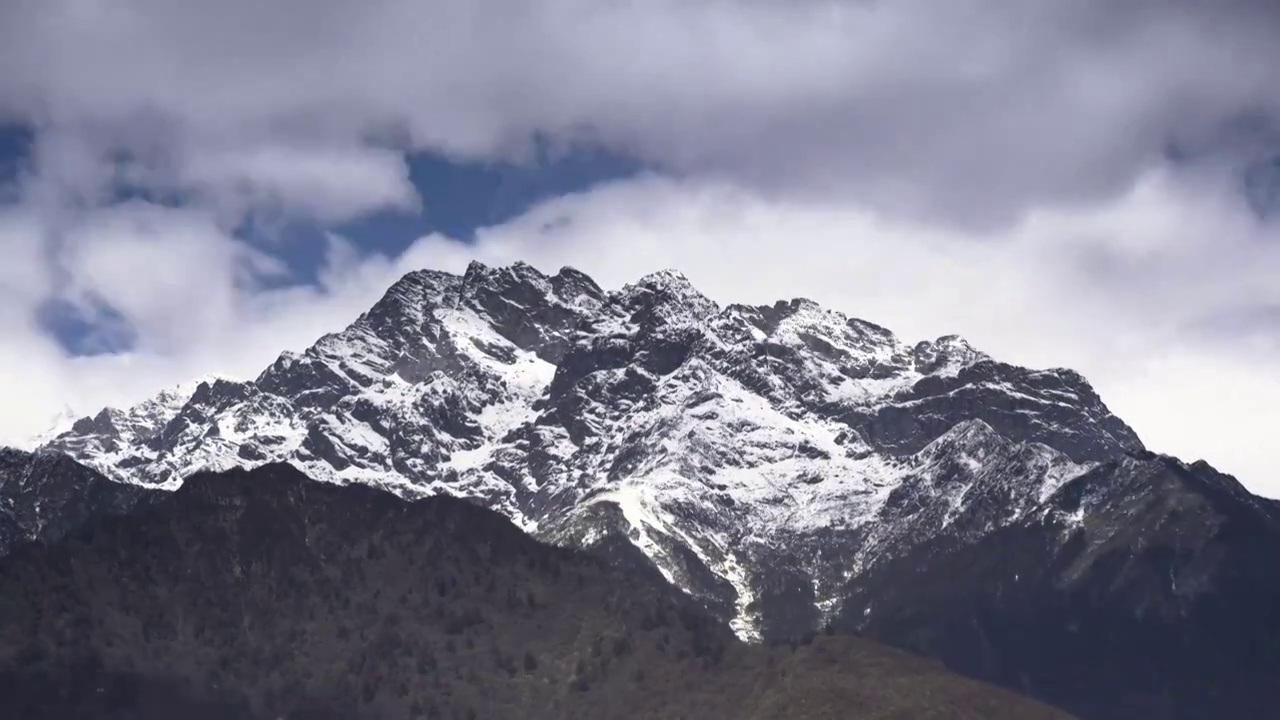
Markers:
point(757, 456)
point(124, 436)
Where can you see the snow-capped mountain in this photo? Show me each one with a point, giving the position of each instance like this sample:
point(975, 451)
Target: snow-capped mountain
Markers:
point(787, 465)
point(756, 455)
point(114, 431)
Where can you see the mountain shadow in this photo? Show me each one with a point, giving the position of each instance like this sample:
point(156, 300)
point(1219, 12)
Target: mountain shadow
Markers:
point(262, 594)
point(1147, 588)
point(45, 495)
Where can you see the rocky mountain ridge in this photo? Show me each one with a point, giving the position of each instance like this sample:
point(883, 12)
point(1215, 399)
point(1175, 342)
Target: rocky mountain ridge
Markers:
point(713, 438)
point(787, 466)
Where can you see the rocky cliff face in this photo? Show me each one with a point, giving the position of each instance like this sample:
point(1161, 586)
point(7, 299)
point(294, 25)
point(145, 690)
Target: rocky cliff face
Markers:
point(786, 465)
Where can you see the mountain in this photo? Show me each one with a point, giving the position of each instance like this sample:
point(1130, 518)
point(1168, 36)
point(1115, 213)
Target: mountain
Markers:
point(43, 496)
point(118, 431)
point(1145, 588)
point(710, 437)
point(263, 594)
point(785, 465)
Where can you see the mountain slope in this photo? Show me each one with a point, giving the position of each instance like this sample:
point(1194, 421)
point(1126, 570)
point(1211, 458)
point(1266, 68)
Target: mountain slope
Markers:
point(264, 594)
point(1144, 588)
point(712, 438)
point(785, 465)
point(45, 495)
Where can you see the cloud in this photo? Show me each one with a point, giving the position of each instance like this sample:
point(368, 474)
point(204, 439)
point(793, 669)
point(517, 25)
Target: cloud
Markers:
point(194, 302)
point(326, 184)
point(1029, 294)
point(171, 273)
point(972, 111)
point(1056, 180)
point(24, 276)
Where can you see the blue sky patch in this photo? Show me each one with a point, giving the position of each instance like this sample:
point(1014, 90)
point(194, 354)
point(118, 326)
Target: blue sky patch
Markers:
point(89, 328)
point(1262, 187)
point(457, 199)
point(16, 143)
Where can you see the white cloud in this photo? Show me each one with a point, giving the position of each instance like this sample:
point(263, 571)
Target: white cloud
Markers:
point(978, 166)
point(329, 184)
point(24, 274)
point(171, 273)
point(973, 110)
point(1028, 295)
point(191, 295)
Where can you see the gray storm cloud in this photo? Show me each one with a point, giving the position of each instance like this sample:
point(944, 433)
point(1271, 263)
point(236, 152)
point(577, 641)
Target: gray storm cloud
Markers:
point(1060, 179)
point(967, 110)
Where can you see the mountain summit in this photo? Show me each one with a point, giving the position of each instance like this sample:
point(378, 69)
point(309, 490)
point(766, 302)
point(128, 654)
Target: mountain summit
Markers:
point(786, 465)
point(712, 438)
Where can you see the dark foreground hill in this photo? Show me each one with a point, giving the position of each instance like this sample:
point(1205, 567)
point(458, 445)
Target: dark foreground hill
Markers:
point(264, 595)
point(45, 495)
point(1147, 588)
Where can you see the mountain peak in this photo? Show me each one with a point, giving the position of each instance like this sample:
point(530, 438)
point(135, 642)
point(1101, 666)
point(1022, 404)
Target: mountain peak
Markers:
point(537, 396)
point(665, 277)
point(479, 273)
point(475, 268)
point(406, 302)
point(577, 288)
point(781, 463)
point(668, 295)
point(947, 355)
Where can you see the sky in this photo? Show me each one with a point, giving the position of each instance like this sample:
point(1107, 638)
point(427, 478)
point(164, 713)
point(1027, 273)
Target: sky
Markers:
point(189, 188)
